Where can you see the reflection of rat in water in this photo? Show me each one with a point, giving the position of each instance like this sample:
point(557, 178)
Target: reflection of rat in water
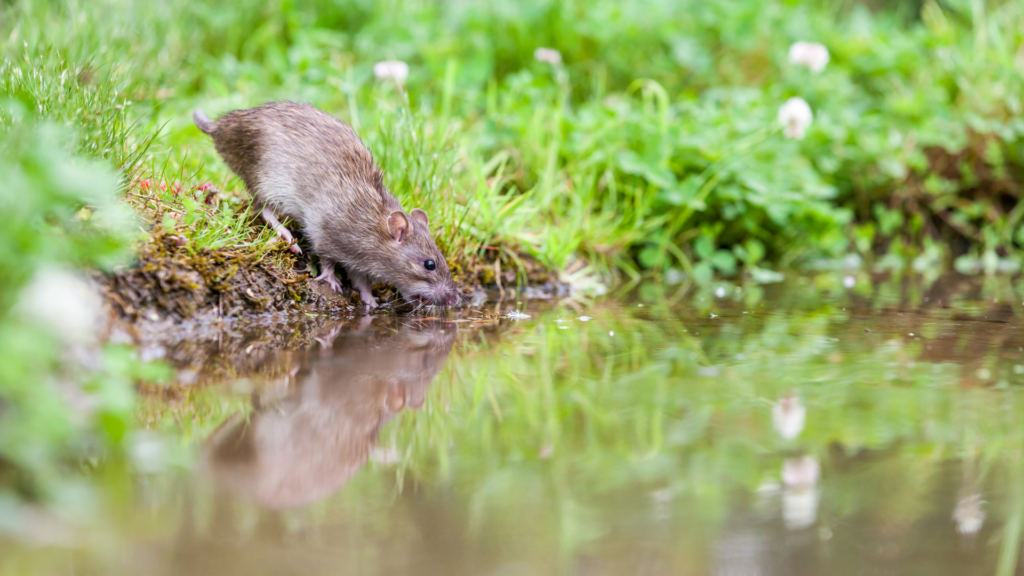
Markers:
point(304, 163)
point(312, 441)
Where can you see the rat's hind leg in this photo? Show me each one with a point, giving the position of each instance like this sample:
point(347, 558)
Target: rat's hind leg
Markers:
point(327, 275)
point(283, 232)
point(362, 283)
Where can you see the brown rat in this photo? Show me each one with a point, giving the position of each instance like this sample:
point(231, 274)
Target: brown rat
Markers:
point(304, 163)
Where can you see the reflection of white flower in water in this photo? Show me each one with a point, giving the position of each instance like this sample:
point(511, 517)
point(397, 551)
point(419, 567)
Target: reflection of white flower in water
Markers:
point(65, 303)
point(795, 116)
point(800, 508)
point(148, 451)
point(548, 55)
point(788, 416)
point(968, 514)
point(516, 315)
point(661, 501)
point(811, 55)
point(800, 472)
point(800, 496)
point(391, 70)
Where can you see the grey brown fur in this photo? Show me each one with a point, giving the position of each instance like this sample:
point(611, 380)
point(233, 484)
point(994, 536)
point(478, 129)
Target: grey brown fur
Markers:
point(299, 161)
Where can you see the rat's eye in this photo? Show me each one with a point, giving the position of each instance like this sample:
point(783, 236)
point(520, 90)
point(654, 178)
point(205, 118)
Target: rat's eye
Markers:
point(429, 264)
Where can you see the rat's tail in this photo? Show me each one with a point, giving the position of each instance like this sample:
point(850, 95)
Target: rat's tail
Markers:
point(202, 122)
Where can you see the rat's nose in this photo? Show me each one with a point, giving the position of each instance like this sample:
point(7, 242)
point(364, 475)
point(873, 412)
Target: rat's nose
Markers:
point(452, 299)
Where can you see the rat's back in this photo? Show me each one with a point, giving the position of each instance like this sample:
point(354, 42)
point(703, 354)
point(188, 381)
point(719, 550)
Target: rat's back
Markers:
point(300, 161)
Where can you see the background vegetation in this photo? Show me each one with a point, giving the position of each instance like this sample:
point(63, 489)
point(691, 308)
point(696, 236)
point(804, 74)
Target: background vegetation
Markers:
point(653, 145)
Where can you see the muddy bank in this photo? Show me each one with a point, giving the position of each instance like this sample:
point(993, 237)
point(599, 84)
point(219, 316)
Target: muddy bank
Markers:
point(170, 281)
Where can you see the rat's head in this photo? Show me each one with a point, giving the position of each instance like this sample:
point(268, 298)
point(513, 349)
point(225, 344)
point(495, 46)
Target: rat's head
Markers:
point(421, 272)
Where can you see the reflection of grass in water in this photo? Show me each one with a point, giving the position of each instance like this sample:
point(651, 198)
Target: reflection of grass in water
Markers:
point(572, 417)
point(584, 443)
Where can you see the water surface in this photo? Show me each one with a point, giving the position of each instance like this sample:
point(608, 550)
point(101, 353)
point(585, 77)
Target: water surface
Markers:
point(801, 429)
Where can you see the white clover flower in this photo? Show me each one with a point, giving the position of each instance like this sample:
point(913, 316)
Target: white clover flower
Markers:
point(548, 55)
point(391, 70)
point(968, 514)
point(65, 303)
point(788, 416)
point(811, 55)
point(795, 116)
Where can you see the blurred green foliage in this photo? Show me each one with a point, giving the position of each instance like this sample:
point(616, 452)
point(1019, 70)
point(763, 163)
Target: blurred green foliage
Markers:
point(64, 398)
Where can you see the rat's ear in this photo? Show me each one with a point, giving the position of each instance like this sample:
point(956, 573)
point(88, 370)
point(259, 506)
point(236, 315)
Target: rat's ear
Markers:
point(421, 217)
point(399, 226)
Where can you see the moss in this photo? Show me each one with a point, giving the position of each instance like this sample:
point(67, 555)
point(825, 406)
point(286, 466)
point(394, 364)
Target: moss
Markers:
point(170, 280)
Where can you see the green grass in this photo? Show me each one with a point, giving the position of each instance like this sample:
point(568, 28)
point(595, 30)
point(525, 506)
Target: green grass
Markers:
point(652, 149)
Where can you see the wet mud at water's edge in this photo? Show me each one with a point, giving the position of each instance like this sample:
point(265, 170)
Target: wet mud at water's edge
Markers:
point(168, 280)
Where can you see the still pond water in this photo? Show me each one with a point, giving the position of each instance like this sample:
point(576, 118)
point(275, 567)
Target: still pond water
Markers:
point(801, 429)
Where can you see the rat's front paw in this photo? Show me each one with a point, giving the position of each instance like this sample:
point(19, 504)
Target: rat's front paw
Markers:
point(329, 277)
point(334, 283)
